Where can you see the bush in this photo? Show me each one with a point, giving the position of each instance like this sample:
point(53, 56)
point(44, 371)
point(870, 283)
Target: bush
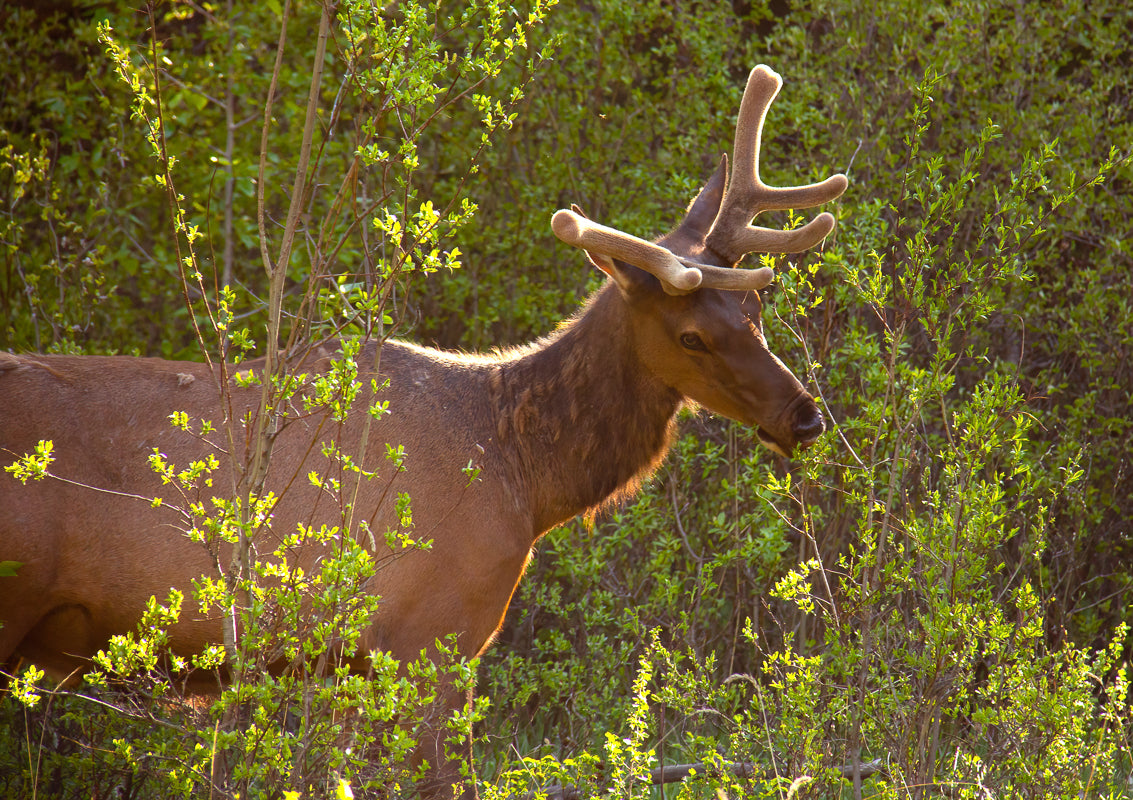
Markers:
point(937, 593)
point(940, 549)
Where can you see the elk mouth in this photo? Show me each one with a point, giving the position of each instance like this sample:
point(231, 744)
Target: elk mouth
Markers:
point(801, 423)
point(771, 443)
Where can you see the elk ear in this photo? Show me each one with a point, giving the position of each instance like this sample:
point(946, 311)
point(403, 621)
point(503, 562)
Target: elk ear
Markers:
point(603, 263)
point(705, 207)
point(629, 278)
point(626, 276)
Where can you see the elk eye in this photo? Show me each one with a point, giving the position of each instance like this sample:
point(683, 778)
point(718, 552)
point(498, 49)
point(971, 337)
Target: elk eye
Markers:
point(690, 341)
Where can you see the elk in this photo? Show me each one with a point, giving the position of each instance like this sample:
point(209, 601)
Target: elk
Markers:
point(556, 428)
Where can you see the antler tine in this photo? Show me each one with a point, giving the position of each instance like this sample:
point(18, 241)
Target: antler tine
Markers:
point(741, 280)
point(732, 234)
point(598, 240)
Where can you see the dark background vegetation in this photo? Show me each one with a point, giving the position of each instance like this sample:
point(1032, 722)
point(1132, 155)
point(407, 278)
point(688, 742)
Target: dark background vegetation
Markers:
point(967, 521)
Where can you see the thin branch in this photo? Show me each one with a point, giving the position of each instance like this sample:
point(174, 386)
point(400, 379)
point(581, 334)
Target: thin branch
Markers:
point(676, 773)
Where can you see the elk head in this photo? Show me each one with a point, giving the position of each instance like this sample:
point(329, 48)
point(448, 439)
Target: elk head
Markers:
point(695, 314)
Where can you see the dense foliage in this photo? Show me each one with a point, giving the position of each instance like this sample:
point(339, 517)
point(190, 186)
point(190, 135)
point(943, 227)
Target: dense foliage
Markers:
point(941, 585)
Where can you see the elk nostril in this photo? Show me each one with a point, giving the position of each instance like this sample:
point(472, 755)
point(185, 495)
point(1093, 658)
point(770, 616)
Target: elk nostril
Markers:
point(809, 425)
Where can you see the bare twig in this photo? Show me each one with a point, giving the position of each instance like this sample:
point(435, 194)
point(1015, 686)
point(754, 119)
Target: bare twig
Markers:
point(675, 773)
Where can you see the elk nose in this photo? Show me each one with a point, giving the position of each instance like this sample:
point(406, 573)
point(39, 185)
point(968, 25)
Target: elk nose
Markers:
point(809, 424)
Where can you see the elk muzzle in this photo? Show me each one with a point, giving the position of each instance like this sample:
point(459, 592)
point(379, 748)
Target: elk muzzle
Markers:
point(804, 423)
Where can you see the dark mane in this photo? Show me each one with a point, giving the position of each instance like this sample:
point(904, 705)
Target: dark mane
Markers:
point(579, 403)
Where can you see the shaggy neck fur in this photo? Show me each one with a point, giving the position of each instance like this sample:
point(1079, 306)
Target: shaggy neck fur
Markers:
point(582, 419)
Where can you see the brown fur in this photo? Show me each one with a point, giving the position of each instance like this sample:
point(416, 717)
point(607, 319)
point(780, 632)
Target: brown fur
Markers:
point(556, 429)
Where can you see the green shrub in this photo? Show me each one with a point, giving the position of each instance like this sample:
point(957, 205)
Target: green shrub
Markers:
point(934, 554)
point(939, 587)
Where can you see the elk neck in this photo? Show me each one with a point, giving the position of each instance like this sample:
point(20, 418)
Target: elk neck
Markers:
point(580, 416)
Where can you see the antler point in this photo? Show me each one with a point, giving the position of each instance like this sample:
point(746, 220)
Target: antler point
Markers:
point(688, 280)
point(566, 225)
point(765, 73)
